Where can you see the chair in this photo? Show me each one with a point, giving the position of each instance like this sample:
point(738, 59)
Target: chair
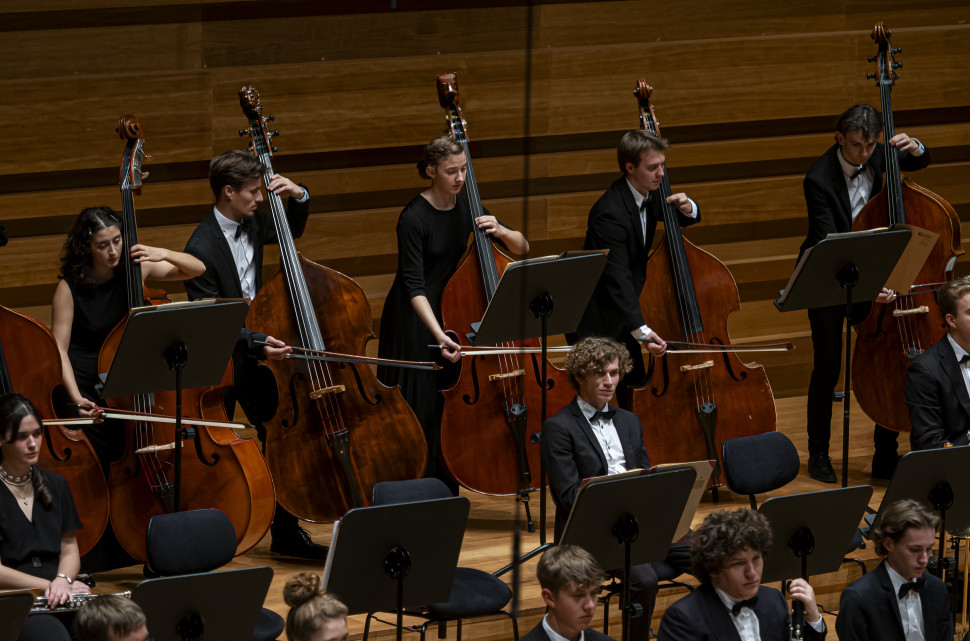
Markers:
point(200, 541)
point(474, 593)
point(764, 463)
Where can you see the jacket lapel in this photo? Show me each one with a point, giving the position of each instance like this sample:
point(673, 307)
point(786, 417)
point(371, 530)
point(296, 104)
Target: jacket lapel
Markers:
point(838, 183)
point(949, 364)
point(219, 241)
point(718, 616)
point(890, 595)
point(585, 428)
point(634, 212)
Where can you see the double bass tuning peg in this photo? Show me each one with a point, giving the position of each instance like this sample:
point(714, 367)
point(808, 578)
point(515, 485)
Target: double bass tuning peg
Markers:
point(897, 65)
point(243, 132)
point(871, 58)
point(895, 51)
point(269, 118)
point(871, 76)
point(274, 133)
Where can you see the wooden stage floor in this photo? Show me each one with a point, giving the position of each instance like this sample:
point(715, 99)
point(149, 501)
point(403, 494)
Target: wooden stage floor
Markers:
point(488, 538)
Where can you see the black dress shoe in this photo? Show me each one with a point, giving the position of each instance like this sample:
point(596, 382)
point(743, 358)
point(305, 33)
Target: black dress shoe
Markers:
point(820, 468)
point(296, 542)
point(883, 465)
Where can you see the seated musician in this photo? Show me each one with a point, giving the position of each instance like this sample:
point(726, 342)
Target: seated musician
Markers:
point(111, 618)
point(570, 580)
point(899, 600)
point(938, 380)
point(589, 438)
point(314, 614)
point(727, 552)
point(38, 521)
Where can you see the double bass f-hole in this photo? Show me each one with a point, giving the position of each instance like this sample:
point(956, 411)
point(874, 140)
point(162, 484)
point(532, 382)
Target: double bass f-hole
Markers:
point(360, 385)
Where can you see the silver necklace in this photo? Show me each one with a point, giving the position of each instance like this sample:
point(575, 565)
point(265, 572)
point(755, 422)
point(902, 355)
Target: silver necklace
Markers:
point(10, 479)
point(25, 499)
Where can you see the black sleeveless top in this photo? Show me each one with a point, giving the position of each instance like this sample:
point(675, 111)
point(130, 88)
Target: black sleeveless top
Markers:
point(97, 309)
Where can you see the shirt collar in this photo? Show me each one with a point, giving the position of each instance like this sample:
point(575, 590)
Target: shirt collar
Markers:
point(638, 198)
point(227, 226)
point(847, 167)
point(587, 409)
point(895, 578)
point(725, 598)
point(555, 636)
point(957, 350)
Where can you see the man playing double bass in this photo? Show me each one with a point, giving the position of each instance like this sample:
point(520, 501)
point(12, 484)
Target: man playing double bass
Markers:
point(230, 242)
point(623, 221)
point(837, 187)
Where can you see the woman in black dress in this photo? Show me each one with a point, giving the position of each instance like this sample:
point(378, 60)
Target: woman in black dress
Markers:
point(432, 236)
point(38, 521)
point(92, 295)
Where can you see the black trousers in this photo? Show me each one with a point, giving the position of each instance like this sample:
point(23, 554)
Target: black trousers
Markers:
point(827, 341)
point(644, 587)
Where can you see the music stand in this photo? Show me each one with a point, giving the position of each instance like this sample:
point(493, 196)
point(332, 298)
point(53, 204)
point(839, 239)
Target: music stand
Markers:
point(606, 522)
point(373, 550)
point(939, 479)
point(159, 340)
point(210, 605)
point(15, 607)
point(522, 308)
point(859, 263)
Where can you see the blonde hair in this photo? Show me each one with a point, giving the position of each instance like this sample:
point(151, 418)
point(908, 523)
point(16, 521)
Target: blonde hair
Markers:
point(310, 607)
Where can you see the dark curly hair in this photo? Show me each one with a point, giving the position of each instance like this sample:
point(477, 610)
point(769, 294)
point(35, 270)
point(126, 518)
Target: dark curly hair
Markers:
point(589, 356)
point(76, 265)
point(906, 514)
point(14, 408)
point(723, 534)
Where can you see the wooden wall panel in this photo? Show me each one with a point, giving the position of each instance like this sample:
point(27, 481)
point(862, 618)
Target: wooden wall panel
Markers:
point(747, 91)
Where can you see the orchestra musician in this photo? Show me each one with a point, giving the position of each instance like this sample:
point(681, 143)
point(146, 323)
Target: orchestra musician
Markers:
point(229, 242)
point(571, 581)
point(432, 236)
point(938, 380)
point(589, 438)
point(899, 600)
point(38, 520)
point(111, 618)
point(89, 301)
point(314, 614)
point(837, 187)
point(624, 221)
point(727, 552)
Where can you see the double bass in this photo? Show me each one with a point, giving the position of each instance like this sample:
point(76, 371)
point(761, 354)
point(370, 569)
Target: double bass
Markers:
point(30, 364)
point(895, 333)
point(699, 398)
point(222, 470)
point(337, 430)
point(492, 410)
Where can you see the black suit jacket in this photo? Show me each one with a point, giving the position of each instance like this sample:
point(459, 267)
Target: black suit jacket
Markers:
point(869, 609)
point(827, 196)
point(571, 453)
point(221, 280)
point(614, 224)
point(939, 406)
point(702, 616)
point(538, 633)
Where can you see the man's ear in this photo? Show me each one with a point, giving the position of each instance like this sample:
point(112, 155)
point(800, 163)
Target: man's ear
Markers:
point(549, 598)
point(839, 138)
point(950, 321)
point(630, 167)
point(228, 192)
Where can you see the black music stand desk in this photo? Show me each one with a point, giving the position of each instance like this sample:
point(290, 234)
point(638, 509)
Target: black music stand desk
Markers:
point(172, 347)
point(839, 270)
point(210, 605)
point(629, 520)
point(812, 531)
point(15, 607)
point(389, 557)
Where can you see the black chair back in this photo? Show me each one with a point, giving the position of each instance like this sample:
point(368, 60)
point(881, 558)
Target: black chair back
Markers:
point(190, 542)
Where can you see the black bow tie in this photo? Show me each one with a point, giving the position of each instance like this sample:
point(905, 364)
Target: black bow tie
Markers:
point(747, 603)
point(245, 224)
point(605, 415)
point(911, 586)
point(859, 170)
point(964, 359)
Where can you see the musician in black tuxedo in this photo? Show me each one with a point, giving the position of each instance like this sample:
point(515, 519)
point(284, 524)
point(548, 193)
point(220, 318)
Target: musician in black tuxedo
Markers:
point(623, 221)
point(727, 552)
point(937, 384)
point(570, 580)
point(589, 438)
point(899, 600)
point(837, 187)
point(230, 241)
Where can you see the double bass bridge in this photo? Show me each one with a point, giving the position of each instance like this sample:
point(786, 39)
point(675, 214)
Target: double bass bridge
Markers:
point(513, 374)
point(691, 368)
point(922, 309)
point(323, 391)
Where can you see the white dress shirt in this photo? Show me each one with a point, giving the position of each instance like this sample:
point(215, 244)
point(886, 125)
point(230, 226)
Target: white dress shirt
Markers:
point(641, 333)
point(860, 186)
point(747, 622)
point(555, 636)
point(606, 436)
point(959, 352)
point(910, 607)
